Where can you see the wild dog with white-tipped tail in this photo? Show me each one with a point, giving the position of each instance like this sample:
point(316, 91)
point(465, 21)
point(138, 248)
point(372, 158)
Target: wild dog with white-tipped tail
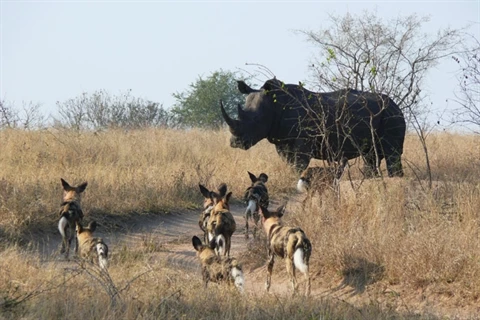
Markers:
point(70, 213)
point(208, 204)
point(92, 248)
point(221, 225)
point(255, 195)
point(289, 243)
point(217, 268)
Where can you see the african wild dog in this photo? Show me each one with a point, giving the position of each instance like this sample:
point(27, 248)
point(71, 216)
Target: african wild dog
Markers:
point(317, 180)
point(221, 225)
point(91, 248)
point(255, 195)
point(289, 243)
point(70, 213)
point(217, 268)
point(208, 204)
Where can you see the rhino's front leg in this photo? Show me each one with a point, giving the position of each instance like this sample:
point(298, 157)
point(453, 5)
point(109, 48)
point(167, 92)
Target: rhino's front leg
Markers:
point(294, 157)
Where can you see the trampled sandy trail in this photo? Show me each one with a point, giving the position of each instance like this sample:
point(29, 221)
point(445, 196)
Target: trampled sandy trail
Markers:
point(170, 237)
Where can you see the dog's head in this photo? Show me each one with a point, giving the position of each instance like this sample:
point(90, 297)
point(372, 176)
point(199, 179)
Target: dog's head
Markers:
point(210, 197)
point(204, 252)
point(92, 226)
point(73, 193)
point(276, 214)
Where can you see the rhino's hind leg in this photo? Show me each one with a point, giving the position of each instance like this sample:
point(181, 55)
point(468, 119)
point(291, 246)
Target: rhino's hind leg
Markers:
point(394, 166)
point(370, 168)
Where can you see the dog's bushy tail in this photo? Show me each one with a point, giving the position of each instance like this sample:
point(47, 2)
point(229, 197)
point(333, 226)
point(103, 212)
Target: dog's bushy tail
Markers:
point(102, 252)
point(62, 223)
point(237, 275)
point(302, 251)
point(221, 245)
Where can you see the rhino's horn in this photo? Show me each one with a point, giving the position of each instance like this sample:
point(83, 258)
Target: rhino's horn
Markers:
point(233, 124)
point(241, 112)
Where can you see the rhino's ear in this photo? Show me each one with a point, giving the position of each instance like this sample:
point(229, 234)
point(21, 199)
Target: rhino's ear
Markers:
point(273, 84)
point(244, 88)
point(268, 86)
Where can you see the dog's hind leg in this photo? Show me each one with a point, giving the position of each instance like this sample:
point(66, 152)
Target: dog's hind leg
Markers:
point(291, 273)
point(74, 236)
point(256, 218)
point(228, 245)
point(307, 281)
point(271, 261)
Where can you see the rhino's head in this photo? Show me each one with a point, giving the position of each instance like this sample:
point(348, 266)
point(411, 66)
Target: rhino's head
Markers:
point(255, 120)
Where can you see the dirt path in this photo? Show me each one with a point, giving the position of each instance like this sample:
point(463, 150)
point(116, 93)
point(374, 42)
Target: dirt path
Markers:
point(169, 236)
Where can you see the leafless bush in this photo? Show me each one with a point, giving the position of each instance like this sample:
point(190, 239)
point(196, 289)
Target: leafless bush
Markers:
point(28, 117)
point(102, 110)
point(468, 93)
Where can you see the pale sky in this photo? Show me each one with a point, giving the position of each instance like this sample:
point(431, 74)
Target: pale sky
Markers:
point(56, 50)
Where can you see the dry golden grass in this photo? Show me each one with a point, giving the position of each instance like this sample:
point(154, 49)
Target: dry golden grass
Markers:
point(148, 291)
point(136, 171)
point(381, 233)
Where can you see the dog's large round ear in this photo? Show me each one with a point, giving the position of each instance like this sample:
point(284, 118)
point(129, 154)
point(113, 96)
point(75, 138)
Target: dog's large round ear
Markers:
point(281, 210)
point(82, 187)
point(78, 227)
point(222, 189)
point(204, 191)
point(263, 177)
point(92, 226)
point(65, 185)
point(263, 211)
point(253, 178)
point(197, 243)
point(228, 196)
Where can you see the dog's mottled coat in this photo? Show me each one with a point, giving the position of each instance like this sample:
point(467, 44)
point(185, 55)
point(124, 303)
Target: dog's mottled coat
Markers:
point(288, 243)
point(92, 248)
point(221, 225)
point(208, 204)
point(255, 195)
point(70, 213)
point(217, 268)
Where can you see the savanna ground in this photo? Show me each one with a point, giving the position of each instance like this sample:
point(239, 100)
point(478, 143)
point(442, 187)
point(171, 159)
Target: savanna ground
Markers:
point(383, 248)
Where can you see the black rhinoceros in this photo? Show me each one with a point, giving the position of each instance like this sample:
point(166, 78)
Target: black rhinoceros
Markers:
point(332, 126)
